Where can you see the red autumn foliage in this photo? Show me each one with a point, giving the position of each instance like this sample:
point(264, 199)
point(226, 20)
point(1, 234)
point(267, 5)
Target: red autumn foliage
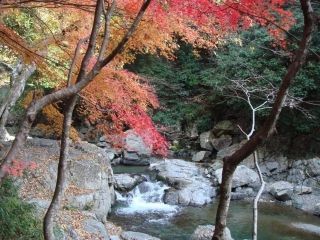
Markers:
point(18, 167)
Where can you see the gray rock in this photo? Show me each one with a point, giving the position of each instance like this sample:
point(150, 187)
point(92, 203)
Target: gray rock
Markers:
point(134, 143)
point(110, 155)
point(96, 227)
point(130, 155)
point(308, 228)
point(313, 167)
point(189, 185)
point(90, 176)
point(103, 145)
point(272, 166)
point(129, 235)
point(200, 156)
point(115, 237)
point(316, 210)
point(281, 190)
point(134, 162)
point(205, 140)
point(243, 176)
point(223, 127)
point(302, 190)
point(242, 193)
point(221, 142)
point(72, 234)
point(227, 151)
point(126, 182)
point(205, 232)
point(83, 201)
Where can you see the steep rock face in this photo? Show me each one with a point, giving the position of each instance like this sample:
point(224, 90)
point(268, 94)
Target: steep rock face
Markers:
point(188, 184)
point(90, 176)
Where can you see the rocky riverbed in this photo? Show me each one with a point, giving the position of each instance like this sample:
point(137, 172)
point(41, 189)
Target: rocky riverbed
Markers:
point(91, 183)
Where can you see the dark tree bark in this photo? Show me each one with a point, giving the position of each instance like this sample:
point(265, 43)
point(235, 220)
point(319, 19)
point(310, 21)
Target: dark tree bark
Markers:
point(19, 76)
point(48, 223)
point(231, 162)
point(83, 79)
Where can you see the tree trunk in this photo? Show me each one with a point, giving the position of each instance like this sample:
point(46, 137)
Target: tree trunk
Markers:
point(19, 77)
point(231, 162)
point(225, 195)
point(256, 199)
point(62, 176)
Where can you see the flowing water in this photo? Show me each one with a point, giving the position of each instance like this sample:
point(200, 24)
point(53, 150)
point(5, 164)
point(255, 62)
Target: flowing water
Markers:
point(143, 210)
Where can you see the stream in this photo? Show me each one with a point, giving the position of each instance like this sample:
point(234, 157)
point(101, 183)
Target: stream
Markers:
point(143, 210)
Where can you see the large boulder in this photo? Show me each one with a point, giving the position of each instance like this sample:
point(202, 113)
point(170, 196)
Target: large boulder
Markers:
point(243, 176)
point(90, 177)
point(134, 143)
point(188, 184)
point(281, 190)
point(129, 235)
point(205, 232)
point(126, 182)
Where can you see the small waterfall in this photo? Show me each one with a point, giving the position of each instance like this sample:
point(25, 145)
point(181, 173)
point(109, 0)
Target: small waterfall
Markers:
point(147, 197)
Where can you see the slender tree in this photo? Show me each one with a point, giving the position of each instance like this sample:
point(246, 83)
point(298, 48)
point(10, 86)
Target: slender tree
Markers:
point(231, 162)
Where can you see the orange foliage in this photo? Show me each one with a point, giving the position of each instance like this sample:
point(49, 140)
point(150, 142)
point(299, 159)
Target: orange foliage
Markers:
point(119, 96)
point(51, 120)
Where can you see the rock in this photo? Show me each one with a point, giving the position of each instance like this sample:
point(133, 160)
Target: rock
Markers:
point(134, 143)
point(103, 145)
point(72, 234)
point(221, 142)
point(205, 232)
point(205, 140)
point(223, 127)
point(242, 193)
point(313, 167)
point(129, 235)
point(227, 151)
point(130, 155)
point(40, 205)
point(308, 228)
point(316, 210)
point(187, 181)
point(114, 237)
point(96, 227)
point(192, 131)
point(126, 182)
point(272, 166)
point(110, 155)
point(281, 190)
point(89, 174)
point(43, 142)
point(136, 162)
point(83, 201)
point(243, 176)
point(302, 190)
point(200, 156)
